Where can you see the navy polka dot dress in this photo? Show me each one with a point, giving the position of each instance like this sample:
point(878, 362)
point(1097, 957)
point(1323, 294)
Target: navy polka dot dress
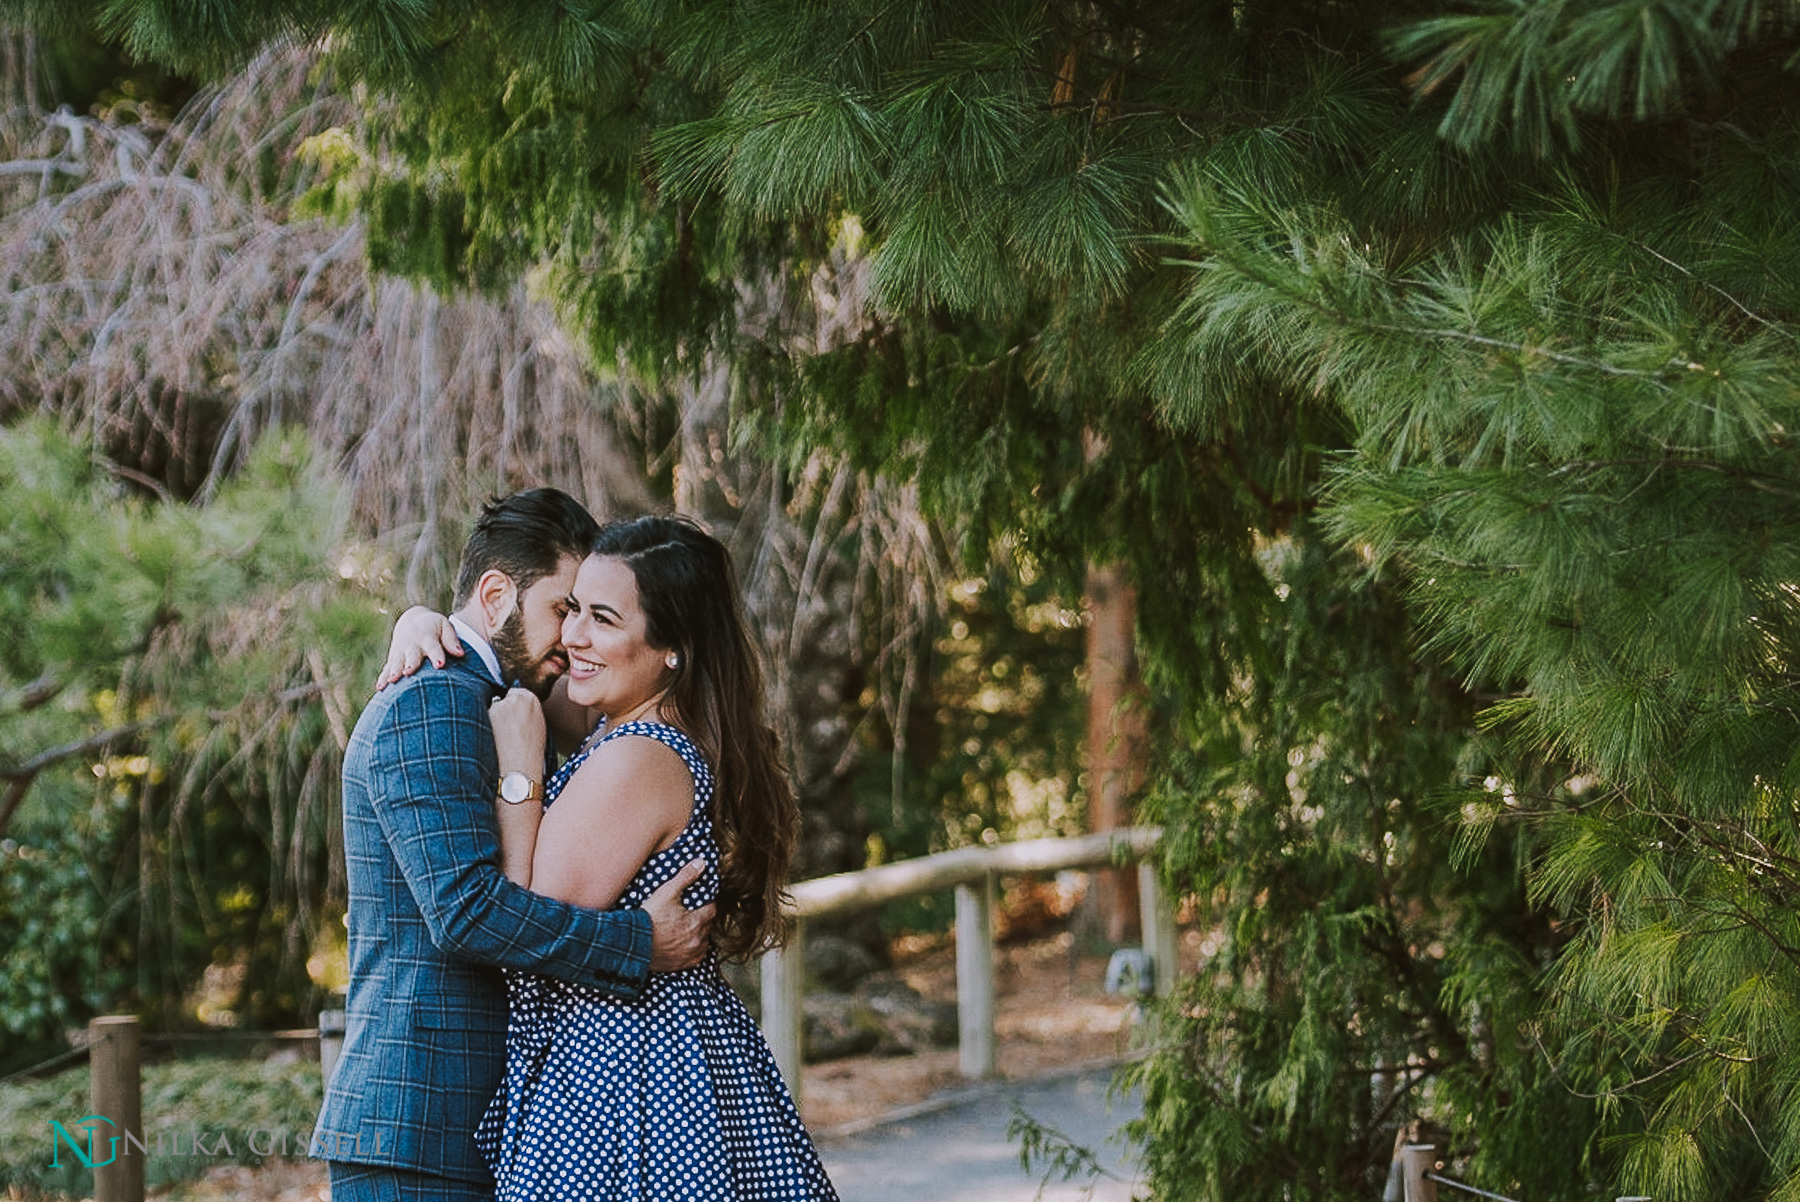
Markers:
point(674, 1095)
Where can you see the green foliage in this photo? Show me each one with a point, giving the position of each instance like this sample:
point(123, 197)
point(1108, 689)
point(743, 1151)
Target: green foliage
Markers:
point(993, 748)
point(1602, 525)
point(242, 1109)
point(1363, 972)
point(164, 739)
point(1477, 745)
point(86, 73)
point(1536, 70)
point(1010, 174)
point(1591, 497)
point(59, 971)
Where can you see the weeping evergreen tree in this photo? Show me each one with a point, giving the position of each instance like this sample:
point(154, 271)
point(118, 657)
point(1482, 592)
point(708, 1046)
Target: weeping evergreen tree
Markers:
point(1431, 368)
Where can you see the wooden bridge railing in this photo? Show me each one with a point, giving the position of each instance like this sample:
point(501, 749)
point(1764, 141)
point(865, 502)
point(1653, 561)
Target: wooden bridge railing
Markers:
point(971, 871)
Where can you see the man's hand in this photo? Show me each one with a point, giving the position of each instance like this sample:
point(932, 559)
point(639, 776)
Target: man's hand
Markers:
point(682, 935)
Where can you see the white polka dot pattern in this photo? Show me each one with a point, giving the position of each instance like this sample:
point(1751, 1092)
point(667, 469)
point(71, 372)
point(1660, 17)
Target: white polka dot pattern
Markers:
point(672, 1095)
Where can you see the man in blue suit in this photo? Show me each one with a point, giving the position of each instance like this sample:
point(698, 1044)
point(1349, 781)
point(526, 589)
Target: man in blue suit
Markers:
point(432, 918)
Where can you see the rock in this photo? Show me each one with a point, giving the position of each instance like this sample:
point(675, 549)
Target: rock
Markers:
point(835, 963)
point(837, 1025)
point(885, 1016)
point(910, 1022)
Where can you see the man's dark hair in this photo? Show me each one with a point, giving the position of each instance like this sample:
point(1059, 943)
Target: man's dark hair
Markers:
point(526, 535)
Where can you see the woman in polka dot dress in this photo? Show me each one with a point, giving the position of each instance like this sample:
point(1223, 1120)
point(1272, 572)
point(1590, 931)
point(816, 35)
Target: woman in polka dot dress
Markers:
point(674, 1095)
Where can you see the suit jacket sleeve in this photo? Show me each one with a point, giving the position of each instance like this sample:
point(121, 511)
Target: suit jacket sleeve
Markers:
point(433, 792)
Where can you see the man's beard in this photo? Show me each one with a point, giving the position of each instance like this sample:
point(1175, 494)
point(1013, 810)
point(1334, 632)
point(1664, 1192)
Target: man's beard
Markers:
point(516, 664)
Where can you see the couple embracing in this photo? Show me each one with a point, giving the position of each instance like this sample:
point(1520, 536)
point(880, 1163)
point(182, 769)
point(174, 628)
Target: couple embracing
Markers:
point(534, 1009)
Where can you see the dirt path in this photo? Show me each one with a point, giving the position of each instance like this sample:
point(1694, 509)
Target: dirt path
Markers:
point(1052, 1014)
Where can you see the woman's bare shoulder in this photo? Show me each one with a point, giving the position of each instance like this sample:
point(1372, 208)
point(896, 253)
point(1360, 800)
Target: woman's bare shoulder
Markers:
point(639, 766)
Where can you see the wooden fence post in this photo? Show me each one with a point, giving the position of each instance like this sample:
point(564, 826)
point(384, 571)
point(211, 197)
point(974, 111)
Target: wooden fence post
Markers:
point(331, 1041)
point(783, 1004)
point(1157, 918)
point(115, 1090)
point(975, 977)
point(1416, 1160)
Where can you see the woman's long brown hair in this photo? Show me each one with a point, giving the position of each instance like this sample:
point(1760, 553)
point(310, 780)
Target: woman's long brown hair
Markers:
point(688, 591)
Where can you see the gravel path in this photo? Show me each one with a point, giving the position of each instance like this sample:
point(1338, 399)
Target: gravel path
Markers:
point(956, 1149)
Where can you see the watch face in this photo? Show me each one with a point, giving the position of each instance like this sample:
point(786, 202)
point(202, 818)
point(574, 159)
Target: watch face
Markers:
point(515, 787)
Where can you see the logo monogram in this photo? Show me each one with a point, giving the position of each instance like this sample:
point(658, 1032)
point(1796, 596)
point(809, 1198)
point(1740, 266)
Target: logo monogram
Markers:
point(91, 1157)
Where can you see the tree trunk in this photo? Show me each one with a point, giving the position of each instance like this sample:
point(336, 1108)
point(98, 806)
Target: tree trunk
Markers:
point(1116, 736)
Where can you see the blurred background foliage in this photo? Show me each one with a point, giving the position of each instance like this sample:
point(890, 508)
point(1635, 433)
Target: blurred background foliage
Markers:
point(229, 453)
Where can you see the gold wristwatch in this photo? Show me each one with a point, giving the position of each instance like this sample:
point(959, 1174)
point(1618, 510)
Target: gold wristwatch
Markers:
point(516, 789)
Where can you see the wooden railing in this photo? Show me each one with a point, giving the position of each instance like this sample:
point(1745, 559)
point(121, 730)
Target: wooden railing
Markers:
point(971, 871)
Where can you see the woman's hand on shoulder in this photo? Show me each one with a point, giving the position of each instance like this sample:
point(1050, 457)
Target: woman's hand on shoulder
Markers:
point(420, 634)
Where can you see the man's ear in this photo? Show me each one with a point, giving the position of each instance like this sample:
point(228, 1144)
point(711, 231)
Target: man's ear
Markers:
point(497, 596)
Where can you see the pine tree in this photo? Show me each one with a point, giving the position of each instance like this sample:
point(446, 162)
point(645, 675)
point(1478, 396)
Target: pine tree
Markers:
point(167, 737)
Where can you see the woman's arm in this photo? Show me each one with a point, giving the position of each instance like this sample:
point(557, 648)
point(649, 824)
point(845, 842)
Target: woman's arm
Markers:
point(629, 801)
point(420, 634)
point(519, 739)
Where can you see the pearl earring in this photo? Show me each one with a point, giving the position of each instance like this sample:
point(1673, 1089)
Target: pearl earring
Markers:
point(674, 661)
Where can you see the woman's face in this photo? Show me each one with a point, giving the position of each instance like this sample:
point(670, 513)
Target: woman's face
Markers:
point(611, 665)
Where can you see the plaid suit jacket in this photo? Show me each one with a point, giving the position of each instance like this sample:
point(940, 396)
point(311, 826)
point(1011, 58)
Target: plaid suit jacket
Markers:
point(432, 921)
